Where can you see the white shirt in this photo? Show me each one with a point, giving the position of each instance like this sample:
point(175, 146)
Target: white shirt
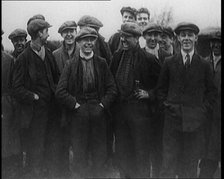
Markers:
point(184, 55)
point(142, 42)
point(216, 60)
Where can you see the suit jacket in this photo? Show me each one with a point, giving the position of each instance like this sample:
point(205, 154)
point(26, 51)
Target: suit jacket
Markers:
point(70, 81)
point(188, 94)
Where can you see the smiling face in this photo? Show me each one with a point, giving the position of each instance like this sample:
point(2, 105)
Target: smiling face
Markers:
point(87, 44)
point(216, 47)
point(152, 39)
point(187, 39)
point(19, 43)
point(129, 41)
point(166, 41)
point(69, 36)
point(142, 19)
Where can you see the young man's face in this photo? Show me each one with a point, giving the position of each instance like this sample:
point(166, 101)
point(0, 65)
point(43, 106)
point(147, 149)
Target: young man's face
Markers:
point(87, 44)
point(152, 39)
point(216, 47)
point(44, 35)
point(166, 41)
point(127, 17)
point(128, 42)
point(187, 39)
point(142, 19)
point(69, 36)
point(19, 43)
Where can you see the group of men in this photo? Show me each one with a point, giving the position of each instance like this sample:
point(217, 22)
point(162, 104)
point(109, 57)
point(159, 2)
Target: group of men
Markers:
point(137, 100)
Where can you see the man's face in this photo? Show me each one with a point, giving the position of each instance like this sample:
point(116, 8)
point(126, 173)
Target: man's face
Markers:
point(19, 43)
point(128, 42)
point(127, 17)
point(152, 38)
point(44, 35)
point(166, 41)
point(142, 19)
point(187, 39)
point(216, 47)
point(69, 36)
point(87, 44)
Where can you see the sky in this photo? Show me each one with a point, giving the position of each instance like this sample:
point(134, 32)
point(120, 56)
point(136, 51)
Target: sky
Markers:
point(15, 14)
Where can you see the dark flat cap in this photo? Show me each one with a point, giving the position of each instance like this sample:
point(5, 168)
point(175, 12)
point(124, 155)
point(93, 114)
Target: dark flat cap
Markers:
point(133, 11)
point(37, 24)
point(168, 31)
point(186, 26)
point(90, 21)
point(67, 25)
point(152, 27)
point(37, 16)
point(86, 32)
point(130, 28)
point(17, 33)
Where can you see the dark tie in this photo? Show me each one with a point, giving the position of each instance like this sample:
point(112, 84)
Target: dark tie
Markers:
point(188, 62)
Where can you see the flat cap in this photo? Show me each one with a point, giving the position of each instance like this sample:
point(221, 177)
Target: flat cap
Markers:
point(133, 11)
point(17, 33)
point(186, 26)
point(37, 16)
point(37, 24)
point(86, 32)
point(168, 30)
point(152, 27)
point(130, 28)
point(67, 25)
point(90, 21)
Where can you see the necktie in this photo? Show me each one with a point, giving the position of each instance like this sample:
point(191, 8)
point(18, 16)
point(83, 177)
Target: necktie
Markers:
point(187, 63)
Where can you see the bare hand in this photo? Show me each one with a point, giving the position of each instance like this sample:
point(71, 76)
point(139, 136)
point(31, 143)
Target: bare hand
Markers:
point(141, 94)
point(36, 97)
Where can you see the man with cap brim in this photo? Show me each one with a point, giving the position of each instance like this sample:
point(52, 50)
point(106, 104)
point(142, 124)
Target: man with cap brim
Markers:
point(133, 75)
point(210, 161)
point(87, 88)
point(128, 15)
point(167, 40)
point(11, 159)
point(34, 79)
point(18, 39)
point(187, 93)
point(101, 48)
point(152, 33)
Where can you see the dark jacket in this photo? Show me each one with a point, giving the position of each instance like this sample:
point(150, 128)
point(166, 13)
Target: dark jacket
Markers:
point(192, 90)
point(70, 81)
point(114, 42)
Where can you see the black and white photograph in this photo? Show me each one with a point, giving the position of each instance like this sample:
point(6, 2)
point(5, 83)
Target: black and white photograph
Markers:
point(111, 89)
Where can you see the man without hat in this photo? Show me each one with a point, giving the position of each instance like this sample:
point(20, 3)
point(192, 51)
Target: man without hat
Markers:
point(34, 79)
point(101, 47)
point(128, 15)
point(210, 161)
point(18, 39)
point(131, 111)
point(187, 92)
point(152, 33)
point(87, 88)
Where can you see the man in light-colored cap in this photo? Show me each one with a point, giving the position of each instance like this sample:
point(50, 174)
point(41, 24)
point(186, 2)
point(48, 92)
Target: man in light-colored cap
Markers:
point(101, 48)
point(34, 79)
point(87, 88)
point(187, 93)
point(128, 15)
point(18, 39)
point(133, 75)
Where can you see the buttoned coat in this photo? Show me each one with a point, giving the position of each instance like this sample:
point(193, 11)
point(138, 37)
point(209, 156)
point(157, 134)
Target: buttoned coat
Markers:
point(189, 93)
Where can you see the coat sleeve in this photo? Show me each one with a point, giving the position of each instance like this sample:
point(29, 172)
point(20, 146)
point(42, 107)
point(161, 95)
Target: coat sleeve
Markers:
point(62, 94)
point(110, 88)
point(18, 82)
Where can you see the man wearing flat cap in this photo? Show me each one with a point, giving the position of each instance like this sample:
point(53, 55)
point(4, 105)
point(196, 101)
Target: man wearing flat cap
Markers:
point(18, 39)
point(212, 156)
point(87, 88)
point(187, 93)
point(128, 15)
point(101, 47)
point(131, 111)
point(34, 81)
point(167, 40)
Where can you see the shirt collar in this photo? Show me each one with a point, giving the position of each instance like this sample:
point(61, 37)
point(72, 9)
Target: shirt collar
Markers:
point(184, 55)
point(216, 58)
